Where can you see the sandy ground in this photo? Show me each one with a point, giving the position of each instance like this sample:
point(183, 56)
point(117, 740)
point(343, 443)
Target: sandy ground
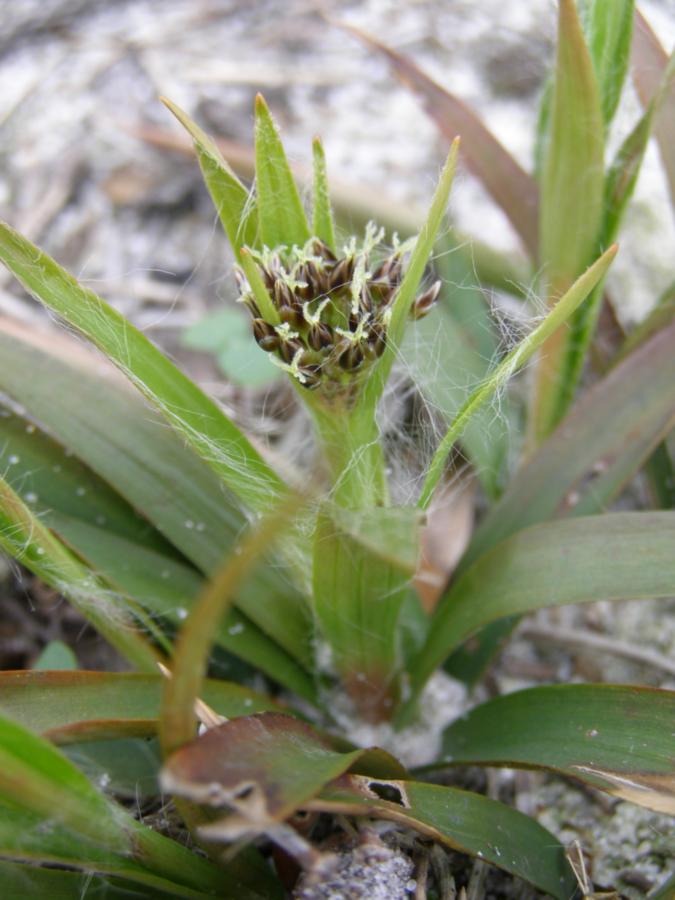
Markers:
point(80, 82)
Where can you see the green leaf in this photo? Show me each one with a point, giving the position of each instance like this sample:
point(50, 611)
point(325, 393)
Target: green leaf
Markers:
point(411, 280)
point(619, 186)
point(33, 838)
point(72, 707)
point(169, 588)
point(649, 65)
point(280, 759)
point(151, 467)
point(665, 891)
point(510, 187)
point(625, 168)
point(571, 198)
point(20, 881)
point(92, 870)
point(602, 443)
point(611, 737)
point(282, 218)
point(39, 785)
point(616, 556)
point(609, 29)
point(56, 655)
point(260, 292)
point(513, 361)
point(236, 209)
point(422, 251)
point(463, 821)
point(39, 467)
point(358, 592)
point(187, 409)
point(604, 440)
point(25, 538)
point(117, 436)
point(245, 364)
point(322, 215)
point(37, 778)
point(216, 330)
point(196, 637)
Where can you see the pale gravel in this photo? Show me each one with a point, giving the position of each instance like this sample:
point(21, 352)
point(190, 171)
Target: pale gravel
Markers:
point(69, 96)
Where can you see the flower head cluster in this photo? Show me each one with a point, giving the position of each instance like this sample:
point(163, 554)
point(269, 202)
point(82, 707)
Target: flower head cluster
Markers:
point(332, 311)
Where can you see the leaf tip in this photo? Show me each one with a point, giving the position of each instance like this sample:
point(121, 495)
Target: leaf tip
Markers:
point(170, 105)
point(261, 107)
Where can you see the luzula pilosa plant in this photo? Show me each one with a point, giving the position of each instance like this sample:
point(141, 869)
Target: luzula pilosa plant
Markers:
point(317, 592)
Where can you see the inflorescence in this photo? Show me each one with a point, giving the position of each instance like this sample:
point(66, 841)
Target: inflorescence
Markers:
point(333, 311)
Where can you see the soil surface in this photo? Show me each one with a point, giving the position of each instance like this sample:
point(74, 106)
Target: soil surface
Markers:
point(89, 170)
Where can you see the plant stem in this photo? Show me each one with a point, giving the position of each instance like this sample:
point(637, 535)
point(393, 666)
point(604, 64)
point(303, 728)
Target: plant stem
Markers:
point(351, 448)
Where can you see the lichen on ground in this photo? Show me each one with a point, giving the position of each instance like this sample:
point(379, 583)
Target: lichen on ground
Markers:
point(368, 871)
point(630, 849)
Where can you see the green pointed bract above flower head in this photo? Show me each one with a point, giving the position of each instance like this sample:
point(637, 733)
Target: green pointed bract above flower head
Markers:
point(323, 311)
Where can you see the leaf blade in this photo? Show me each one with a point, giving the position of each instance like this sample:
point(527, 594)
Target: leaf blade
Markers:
point(581, 731)
point(26, 539)
point(609, 27)
point(603, 442)
point(463, 821)
point(571, 198)
point(322, 217)
point(554, 564)
point(358, 594)
point(560, 313)
point(187, 409)
point(282, 218)
point(236, 210)
point(70, 707)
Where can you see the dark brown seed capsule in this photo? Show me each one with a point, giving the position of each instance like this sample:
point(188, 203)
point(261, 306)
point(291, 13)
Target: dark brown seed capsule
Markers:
point(320, 337)
point(305, 292)
point(323, 250)
point(379, 292)
point(291, 315)
point(425, 301)
point(395, 271)
point(342, 273)
point(366, 300)
point(351, 358)
point(316, 280)
point(270, 343)
point(282, 294)
point(268, 278)
point(378, 339)
point(311, 381)
point(323, 282)
point(262, 329)
point(288, 349)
